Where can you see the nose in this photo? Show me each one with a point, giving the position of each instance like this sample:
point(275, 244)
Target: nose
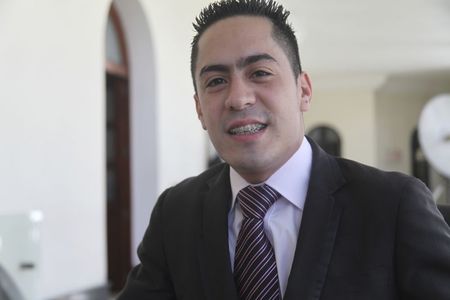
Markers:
point(240, 96)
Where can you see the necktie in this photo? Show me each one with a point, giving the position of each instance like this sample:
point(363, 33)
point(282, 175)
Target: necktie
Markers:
point(255, 267)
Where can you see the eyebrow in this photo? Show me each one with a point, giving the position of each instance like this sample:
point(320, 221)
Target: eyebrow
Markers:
point(243, 62)
point(253, 59)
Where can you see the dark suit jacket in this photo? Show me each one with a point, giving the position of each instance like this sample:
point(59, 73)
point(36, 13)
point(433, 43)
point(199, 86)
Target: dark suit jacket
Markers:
point(365, 234)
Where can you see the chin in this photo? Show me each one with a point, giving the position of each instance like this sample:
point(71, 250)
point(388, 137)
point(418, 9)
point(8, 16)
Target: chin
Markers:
point(249, 166)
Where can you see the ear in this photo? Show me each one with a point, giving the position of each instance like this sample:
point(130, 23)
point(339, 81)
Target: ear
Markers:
point(199, 111)
point(304, 91)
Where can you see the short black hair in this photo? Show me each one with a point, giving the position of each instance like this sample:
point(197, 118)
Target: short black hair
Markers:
point(282, 31)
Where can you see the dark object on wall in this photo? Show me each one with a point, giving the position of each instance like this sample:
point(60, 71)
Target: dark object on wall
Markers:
point(327, 138)
point(419, 163)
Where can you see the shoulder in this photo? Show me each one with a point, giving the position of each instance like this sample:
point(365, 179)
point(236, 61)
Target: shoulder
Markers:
point(375, 188)
point(355, 177)
point(190, 190)
point(384, 198)
point(201, 182)
point(180, 208)
point(358, 174)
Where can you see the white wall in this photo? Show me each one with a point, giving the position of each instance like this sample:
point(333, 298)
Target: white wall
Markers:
point(52, 133)
point(167, 140)
point(399, 102)
point(52, 125)
point(181, 144)
point(346, 103)
point(143, 116)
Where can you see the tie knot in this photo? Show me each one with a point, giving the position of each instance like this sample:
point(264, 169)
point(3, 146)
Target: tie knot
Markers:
point(255, 201)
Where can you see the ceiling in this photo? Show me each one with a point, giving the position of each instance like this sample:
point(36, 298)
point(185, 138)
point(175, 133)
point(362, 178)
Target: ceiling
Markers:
point(368, 36)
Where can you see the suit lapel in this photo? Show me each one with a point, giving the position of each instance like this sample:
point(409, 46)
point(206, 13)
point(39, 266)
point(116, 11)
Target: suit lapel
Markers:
point(214, 255)
point(318, 229)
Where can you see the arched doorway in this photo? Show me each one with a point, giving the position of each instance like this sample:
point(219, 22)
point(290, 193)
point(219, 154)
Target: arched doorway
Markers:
point(419, 164)
point(142, 118)
point(117, 153)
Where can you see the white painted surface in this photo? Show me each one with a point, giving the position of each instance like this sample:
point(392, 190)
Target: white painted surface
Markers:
point(399, 102)
point(143, 116)
point(52, 125)
point(20, 251)
point(51, 128)
point(349, 109)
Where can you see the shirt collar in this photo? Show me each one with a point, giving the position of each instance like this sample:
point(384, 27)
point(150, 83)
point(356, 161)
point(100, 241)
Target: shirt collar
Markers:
point(291, 180)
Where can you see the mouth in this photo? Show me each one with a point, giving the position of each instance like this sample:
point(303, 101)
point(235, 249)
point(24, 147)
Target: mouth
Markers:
point(247, 129)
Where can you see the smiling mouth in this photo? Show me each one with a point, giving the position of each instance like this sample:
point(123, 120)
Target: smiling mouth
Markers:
point(247, 129)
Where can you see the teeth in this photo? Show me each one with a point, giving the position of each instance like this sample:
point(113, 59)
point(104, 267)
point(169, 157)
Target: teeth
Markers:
point(247, 129)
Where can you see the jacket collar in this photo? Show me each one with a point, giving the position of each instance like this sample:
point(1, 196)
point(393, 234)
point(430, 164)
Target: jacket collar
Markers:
point(318, 229)
point(214, 256)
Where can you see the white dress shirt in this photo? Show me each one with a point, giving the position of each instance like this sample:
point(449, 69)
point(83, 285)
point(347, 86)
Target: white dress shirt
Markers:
point(282, 220)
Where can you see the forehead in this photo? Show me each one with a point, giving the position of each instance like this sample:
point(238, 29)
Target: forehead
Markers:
point(238, 24)
point(235, 37)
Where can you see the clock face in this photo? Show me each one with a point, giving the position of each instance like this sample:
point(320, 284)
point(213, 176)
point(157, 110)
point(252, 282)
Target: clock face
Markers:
point(434, 133)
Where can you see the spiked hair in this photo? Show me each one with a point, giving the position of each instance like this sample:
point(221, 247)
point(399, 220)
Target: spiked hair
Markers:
point(282, 31)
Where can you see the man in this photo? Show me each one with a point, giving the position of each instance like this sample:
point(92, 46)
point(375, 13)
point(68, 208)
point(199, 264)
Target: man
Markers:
point(330, 228)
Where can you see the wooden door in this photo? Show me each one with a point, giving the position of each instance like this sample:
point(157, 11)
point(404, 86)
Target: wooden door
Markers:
point(118, 155)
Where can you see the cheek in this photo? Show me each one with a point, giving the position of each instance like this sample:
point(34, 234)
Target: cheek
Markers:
point(285, 105)
point(290, 112)
point(211, 115)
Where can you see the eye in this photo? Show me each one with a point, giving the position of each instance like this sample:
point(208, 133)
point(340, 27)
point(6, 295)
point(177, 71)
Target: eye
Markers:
point(260, 73)
point(215, 81)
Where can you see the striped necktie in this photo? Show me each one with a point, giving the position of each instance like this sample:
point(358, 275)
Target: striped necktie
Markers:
point(255, 267)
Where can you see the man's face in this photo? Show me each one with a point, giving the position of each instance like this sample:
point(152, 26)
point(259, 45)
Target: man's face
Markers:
point(247, 97)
